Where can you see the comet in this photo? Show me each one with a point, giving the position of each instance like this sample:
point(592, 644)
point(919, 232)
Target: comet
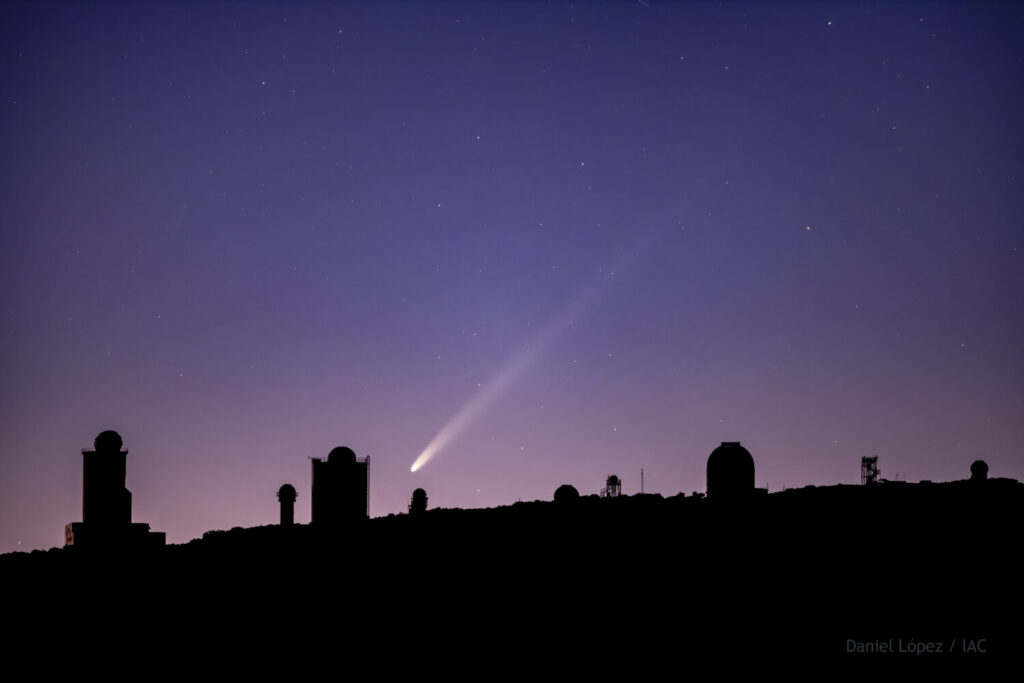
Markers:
point(511, 371)
point(524, 359)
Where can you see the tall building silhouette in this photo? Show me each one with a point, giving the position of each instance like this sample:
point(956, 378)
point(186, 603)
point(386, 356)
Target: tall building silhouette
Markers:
point(341, 488)
point(106, 503)
point(287, 495)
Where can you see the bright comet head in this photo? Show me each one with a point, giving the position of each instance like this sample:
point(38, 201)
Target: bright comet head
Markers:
point(420, 461)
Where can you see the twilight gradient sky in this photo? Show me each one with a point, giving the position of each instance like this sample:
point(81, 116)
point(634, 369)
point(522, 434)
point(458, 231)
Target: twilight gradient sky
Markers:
point(243, 234)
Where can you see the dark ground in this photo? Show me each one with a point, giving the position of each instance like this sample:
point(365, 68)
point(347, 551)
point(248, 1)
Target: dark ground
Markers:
point(629, 585)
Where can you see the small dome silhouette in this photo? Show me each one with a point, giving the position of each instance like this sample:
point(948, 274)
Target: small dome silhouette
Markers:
point(418, 504)
point(979, 470)
point(341, 454)
point(566, 493)
point(730, 471)
point(287, 494)
point(613, 480)
point(108, 442)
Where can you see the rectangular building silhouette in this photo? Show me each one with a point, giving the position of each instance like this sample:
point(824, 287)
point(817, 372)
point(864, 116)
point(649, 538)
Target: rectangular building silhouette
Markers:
point(341, 488)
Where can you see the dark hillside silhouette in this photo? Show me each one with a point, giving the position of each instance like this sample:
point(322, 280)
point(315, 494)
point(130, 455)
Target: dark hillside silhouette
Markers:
point(834, 572)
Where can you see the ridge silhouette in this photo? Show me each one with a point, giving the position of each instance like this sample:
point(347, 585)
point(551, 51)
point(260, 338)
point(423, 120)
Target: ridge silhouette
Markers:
point(793, 575)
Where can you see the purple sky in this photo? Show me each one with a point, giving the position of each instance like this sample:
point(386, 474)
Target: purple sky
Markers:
point(243, 234)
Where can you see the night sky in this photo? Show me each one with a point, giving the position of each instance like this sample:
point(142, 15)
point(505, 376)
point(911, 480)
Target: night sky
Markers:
point(622, 233)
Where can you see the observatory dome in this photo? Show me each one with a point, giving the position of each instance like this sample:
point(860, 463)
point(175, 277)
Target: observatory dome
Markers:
point(341, 454)
point(566, 493)
point(730, 471)
point(979, 470)
point(287, 493)
point(108, 442)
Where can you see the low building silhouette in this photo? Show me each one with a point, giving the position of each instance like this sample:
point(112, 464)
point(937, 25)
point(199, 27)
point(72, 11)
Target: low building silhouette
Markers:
point(979, 470)
point(612, 487)
point(106, 503)
point(566, 493)
point(869, 473)
point(418, 504)
point(730, 472)
point(341, 488)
